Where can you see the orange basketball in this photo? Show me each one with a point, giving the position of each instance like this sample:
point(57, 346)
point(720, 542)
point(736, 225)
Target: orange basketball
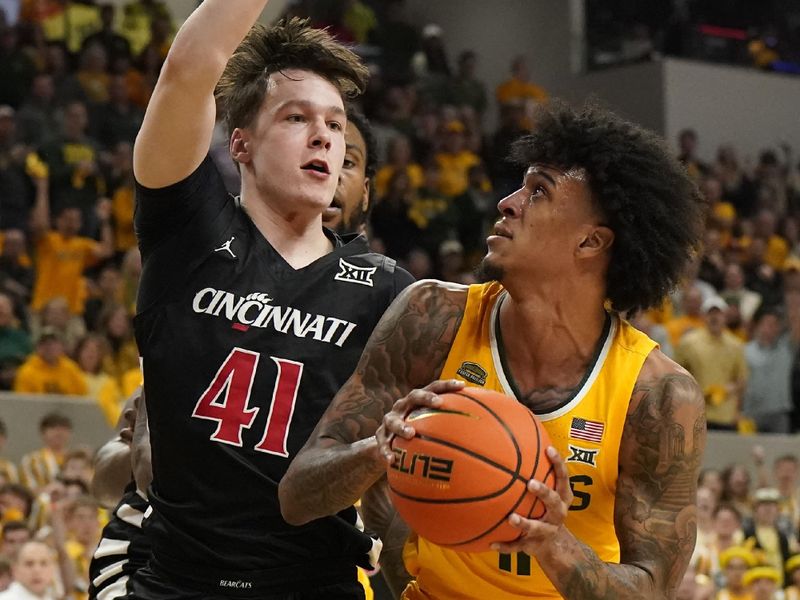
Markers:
point(466, 470)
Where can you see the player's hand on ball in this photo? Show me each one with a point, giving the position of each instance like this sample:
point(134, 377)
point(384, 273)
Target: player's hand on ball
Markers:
point(394, 422)
point(535, 533)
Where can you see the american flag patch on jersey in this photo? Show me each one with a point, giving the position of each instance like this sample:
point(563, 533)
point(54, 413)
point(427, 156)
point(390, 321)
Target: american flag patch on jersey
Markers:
point(584, 429)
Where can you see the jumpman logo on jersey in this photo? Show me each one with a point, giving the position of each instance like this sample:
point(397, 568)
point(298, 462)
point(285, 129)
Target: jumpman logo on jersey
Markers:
point(227, 246)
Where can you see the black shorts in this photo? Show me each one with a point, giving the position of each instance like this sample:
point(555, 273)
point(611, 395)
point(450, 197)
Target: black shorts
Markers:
point(149, 585)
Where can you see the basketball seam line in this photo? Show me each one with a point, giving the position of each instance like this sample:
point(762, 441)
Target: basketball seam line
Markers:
point(524, 490)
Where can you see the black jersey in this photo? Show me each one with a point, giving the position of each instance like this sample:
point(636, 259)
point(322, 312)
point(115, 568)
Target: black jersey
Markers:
point(241, 355)
point(123, 548)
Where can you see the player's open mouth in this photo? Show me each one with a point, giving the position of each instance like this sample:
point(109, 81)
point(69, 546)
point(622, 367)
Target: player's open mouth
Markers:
point(320, 166)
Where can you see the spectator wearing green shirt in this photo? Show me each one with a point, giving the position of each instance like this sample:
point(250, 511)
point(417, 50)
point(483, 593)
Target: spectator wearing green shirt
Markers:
point(15, 344)
point(465, 88)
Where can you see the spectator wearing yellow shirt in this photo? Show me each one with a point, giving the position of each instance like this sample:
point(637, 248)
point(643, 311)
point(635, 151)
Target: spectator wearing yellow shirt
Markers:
point(399, 159)
point(122, 199)
point(774, 546)
point(83, 534)
point(41, 467)
point(777, 250)
point(116, 326)
point(692, 318)
point(735, 562)
point(131, 380)
point(93, 73)
point(519, 89)
point(786, 472)
point(62, 255)
point(102, 387)
point(762, 583)
point(723, 213)
point(360, 19)
point(792, 569)
point(715, 357)
point(137, 21)
point(49, 371)
point(68, 21)
point(455, 160)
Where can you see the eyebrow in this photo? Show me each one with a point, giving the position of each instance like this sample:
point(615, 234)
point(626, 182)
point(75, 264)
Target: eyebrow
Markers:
point(355, 147)
point(312, 105)
point(544, 174)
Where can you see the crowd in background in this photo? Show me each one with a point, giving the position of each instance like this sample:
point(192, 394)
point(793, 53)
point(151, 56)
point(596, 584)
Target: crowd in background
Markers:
point(747, 532)
point(765, 35)
point(75, 78)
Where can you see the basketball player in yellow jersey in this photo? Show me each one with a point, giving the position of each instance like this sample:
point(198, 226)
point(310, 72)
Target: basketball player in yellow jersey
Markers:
point(604, 223)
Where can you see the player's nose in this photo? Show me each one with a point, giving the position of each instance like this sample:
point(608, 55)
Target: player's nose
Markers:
point(510, 206)
point(320, 136)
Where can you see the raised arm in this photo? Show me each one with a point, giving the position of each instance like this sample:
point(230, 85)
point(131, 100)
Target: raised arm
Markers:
point(655, 515)
point(406, 350)
point(176, 132)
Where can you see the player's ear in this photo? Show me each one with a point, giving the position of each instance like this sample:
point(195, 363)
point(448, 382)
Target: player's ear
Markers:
point(240, 146)
point(365, 195)
point(595, 240)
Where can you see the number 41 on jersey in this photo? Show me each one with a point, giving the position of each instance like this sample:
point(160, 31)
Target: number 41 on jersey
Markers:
point(226, 401)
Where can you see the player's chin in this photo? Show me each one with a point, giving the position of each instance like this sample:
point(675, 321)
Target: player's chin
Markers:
point(490, 269)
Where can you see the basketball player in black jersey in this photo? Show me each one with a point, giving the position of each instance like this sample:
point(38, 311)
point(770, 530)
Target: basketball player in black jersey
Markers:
point(250, 314)
point(124, 547)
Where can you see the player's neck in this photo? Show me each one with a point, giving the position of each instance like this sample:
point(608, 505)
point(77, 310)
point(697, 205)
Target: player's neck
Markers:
point(554, 324)
point(297, 237)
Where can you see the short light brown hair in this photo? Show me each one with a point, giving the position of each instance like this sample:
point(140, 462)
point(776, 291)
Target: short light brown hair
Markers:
point(288, 45)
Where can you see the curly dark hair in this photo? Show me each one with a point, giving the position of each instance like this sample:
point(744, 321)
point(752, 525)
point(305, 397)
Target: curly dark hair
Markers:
point(357, 118)
point(288, 45)
point(646, 197)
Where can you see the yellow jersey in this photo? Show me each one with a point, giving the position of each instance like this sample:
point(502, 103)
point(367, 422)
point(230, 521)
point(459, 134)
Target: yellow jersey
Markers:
point(586, 430)
point(59, 269)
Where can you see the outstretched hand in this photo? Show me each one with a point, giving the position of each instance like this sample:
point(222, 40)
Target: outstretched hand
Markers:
point(538, 533)
point(394, 422)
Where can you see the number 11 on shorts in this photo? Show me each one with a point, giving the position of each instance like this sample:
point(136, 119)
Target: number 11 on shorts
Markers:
point(226, 401)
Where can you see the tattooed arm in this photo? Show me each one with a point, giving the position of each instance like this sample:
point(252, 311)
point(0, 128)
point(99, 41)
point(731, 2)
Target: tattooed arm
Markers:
point(381, 517)
point(655, 515)
point(406, 350)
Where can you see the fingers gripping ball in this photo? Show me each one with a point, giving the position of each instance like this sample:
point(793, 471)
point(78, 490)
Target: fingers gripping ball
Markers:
point(466, 470)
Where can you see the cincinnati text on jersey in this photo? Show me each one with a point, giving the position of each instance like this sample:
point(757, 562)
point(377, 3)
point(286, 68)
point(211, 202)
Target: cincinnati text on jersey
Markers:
point(257, 310)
